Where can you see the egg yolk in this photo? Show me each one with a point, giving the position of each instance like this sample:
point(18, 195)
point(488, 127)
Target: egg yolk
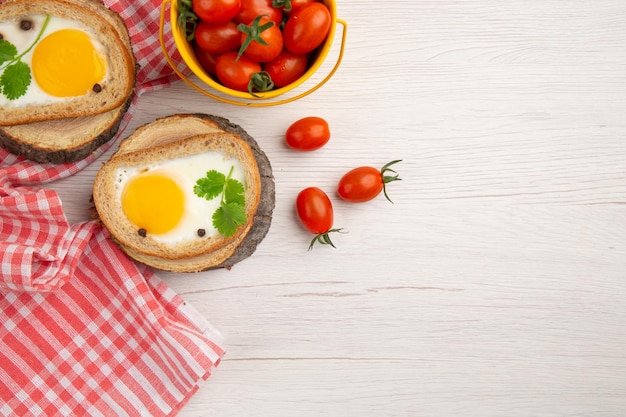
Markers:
point(153, 202)
point(66, 64)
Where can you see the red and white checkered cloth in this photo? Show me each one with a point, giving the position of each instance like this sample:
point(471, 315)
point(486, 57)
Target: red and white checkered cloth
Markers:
point(83, 329)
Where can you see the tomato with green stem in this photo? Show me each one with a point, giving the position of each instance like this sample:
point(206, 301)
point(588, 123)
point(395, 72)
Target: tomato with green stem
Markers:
point(365, 183)
point(261, 40)
point(307, 28)
point(216, 11)
point(315, 212)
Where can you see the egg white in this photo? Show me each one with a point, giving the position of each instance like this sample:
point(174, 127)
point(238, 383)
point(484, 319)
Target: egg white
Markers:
point(22, 39)
point(186, 171)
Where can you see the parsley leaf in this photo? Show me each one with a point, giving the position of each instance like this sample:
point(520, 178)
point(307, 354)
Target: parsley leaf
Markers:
point(233, 192)
point(15, 75)
point(228, 218)
point(232, 210)
point(15, 80)
point(211, 185)
point(8, 51)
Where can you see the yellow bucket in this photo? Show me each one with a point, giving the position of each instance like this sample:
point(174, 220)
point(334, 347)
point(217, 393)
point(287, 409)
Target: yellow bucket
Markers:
point(239, 97)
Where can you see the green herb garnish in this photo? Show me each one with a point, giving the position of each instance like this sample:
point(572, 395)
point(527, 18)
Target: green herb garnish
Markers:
point(15, 75)
point(232, 212)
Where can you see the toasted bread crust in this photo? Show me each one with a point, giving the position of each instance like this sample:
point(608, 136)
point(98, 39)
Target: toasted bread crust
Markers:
point(230, 251)
point(196, 263)
point(116, 88)
point(62, 140)
point(166, 130)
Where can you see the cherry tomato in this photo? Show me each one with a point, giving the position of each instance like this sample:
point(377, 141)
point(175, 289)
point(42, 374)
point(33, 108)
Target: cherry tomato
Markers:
point(261, 40)
point(307, 134)
point(287, 67)
point(307, 28)
point(235, 73)
point(315, 212)
point(205, 59)
point(218, 38)
point(365, 183)
point(216, 11)
point(253, 8)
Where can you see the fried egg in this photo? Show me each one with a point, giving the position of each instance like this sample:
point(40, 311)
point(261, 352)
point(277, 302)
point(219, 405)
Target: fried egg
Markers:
point(158, 199)
point(65, 61)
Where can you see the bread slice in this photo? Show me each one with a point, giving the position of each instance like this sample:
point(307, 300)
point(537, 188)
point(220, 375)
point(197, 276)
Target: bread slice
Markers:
point(114, 90)
point(176, 136)
point(110, 209)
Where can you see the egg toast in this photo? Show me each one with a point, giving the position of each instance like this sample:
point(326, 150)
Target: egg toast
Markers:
point(185, 148)
point(64, 58)
point(69, 139)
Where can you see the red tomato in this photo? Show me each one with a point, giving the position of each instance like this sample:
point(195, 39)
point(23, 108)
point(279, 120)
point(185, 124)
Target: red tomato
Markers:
point(307, 134)
point(206, 59)
point(261, 40)
point(365, 183)
point(235, 73)
point(307, 28)
point(218, 38)
point(286, 68)
point(315, 212)
point(216, 11)
point(253, 8)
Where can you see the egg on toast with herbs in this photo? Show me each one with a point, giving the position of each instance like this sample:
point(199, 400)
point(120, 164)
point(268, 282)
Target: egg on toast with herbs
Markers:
point(186, 193)
point(60, 59)
point(67, 75)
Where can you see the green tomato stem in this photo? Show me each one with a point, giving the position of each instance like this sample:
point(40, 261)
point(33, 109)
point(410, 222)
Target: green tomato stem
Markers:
point(259, 82)
point(187, 19)
point(253, 32)
point(324, 238)
point(282, 4)
point(389, 178)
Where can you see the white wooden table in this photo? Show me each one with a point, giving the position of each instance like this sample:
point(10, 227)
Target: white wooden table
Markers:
point(496, 283)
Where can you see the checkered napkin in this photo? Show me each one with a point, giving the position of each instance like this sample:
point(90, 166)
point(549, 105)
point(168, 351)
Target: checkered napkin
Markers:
point(83, 329)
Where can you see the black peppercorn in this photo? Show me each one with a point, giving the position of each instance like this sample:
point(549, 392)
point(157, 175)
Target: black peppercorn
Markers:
point(26, 24)
point(142, 232)
point(201, 232)
point(97, 88)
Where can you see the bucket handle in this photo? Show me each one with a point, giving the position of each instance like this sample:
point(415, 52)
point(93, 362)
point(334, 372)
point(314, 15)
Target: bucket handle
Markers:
point(254, 103)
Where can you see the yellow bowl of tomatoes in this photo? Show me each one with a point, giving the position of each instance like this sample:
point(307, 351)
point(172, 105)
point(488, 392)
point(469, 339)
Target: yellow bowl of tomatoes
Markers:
point(252, 51)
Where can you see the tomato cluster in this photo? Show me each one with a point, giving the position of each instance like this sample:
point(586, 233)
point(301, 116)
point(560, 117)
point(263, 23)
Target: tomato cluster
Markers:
point(255, 45)
point(313, 206)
